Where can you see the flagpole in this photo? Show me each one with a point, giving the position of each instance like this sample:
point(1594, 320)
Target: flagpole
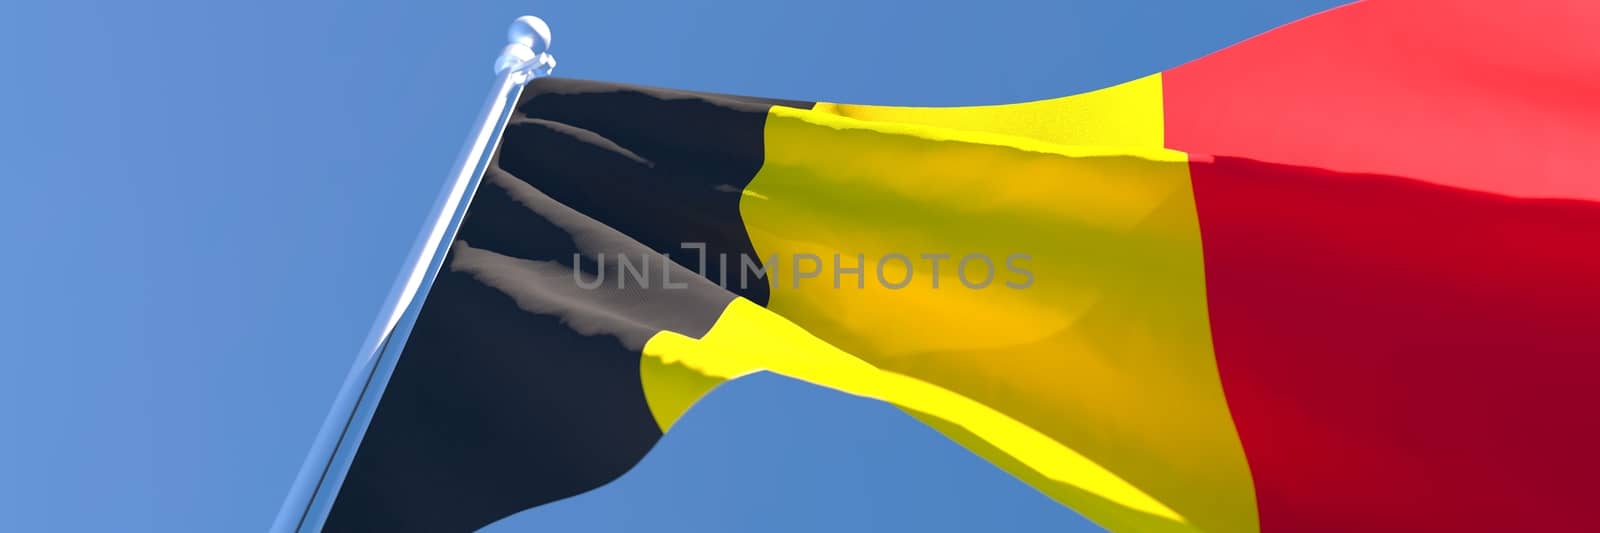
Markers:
point(524, 58)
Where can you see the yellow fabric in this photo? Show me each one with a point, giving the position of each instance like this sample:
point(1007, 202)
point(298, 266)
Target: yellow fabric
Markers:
point(1096, 385)
point(1121, 115)
point(748, 338)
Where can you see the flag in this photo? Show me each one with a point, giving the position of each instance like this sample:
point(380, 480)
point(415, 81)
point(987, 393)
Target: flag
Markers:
point(1342, 276)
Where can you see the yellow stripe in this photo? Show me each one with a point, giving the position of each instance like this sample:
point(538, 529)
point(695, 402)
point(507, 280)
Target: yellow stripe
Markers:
point(1096, 384)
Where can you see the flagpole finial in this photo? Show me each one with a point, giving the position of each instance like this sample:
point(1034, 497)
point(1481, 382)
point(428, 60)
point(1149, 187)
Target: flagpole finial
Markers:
point(526, 55)
point(530, 31)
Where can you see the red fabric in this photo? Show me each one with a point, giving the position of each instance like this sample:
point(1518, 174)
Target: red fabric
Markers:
point(1499, 97)
point(1402, 356)
point(1411, 353)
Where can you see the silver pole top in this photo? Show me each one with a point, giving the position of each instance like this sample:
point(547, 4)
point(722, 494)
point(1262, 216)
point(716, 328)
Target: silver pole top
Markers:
point(526, 55)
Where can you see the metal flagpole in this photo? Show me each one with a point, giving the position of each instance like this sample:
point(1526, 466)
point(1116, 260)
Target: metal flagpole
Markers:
point(311, 497)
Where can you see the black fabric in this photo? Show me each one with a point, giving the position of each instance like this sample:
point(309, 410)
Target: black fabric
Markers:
point(692, 156)
point(518, 386)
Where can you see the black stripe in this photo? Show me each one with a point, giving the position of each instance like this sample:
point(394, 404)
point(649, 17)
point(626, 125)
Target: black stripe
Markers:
point(517, 386)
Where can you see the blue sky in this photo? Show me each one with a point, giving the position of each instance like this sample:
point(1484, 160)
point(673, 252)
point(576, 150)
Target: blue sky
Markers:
point(206, 202)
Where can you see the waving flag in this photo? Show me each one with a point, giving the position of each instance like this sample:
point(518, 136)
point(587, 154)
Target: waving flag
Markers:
point(1343, 276)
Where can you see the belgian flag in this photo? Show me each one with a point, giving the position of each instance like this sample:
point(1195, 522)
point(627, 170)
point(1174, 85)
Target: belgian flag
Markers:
point(1341, 277)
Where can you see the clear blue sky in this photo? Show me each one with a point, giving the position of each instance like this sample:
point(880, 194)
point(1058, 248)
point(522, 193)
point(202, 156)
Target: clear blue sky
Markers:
point(205, 203)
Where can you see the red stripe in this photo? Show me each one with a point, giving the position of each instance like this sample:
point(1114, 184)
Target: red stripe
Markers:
point(1407, 354)
point(1402, 356)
